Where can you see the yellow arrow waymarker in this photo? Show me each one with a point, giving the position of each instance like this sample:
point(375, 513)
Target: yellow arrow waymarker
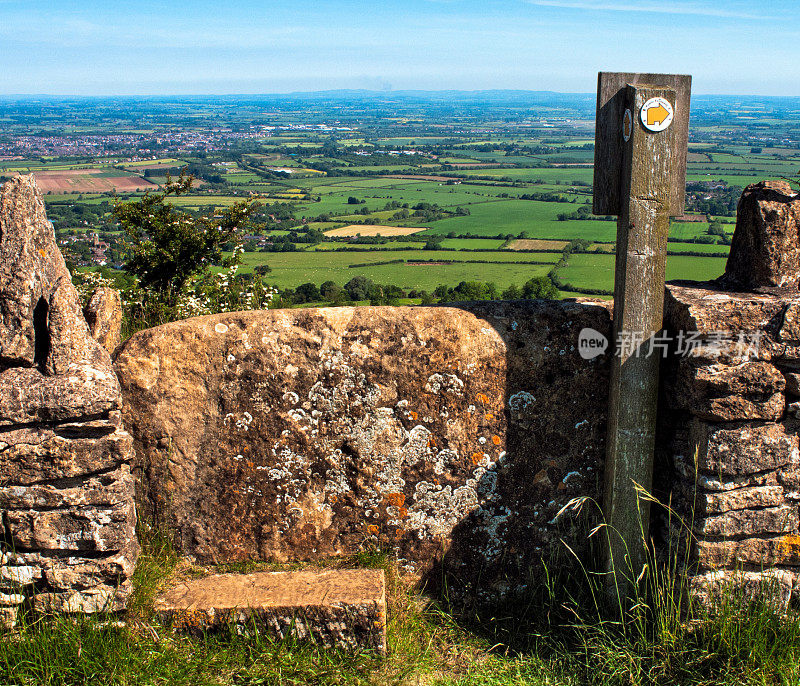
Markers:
point(657, 114)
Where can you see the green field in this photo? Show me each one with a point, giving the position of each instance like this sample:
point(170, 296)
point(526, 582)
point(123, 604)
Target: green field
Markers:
point(597, 271)
point(504, 268)
point(536, 219)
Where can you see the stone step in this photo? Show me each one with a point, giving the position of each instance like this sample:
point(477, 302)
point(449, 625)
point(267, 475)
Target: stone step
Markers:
point(339, 608)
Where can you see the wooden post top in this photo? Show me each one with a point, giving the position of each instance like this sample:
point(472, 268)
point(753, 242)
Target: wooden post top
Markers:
point(609, 140)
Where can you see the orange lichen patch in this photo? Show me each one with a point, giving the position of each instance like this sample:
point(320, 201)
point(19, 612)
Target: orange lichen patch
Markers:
point(333, 499)
point(373, 529)
point(412, 414)
point(189, 620)
point(396, 499)
point(488, 415)
point(496, 440)
point(476, 458)
point(431, 443)
point(250, 464)
point(482, 398)
point(790, 544)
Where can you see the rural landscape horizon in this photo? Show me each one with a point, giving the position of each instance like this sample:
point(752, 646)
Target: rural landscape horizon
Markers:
point(426, 196)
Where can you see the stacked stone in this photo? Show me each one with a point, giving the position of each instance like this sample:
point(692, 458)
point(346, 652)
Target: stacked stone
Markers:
point(732, 399)
point(66, 491)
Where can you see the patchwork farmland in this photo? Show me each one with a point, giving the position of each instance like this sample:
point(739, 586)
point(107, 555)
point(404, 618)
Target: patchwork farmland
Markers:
point(497, 194)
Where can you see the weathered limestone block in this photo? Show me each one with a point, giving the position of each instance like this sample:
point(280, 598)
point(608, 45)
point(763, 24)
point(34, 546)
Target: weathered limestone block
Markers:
point(790, 324)
point(8, 617)
point(70, 571)
point(109, 488)
point(66, 492)
point(15, 574)
point(28, 396)
point(72, 529)
point(739, 499)
point(765, 250)
point(751, 390)
point(738, 449)
point(29, 455)
point(720, 484)
point(41, 322)
point(87, 601)
point(763, 552)
point(775, 584)
point(104, 316)
point(792, 383)
point(301, 434)
point(768, 520)
point(708, 311)
point(731, 328)
point(340, 608)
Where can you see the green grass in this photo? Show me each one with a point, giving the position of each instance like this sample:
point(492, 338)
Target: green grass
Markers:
point(566, 630)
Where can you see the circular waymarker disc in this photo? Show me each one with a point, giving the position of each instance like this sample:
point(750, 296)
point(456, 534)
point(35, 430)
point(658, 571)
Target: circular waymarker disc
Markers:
point(657, 114)
point(627, 125)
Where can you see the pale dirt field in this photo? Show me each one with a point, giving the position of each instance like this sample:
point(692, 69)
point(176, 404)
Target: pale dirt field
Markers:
point(372, 230)
point(85, 181)
point(536, 244)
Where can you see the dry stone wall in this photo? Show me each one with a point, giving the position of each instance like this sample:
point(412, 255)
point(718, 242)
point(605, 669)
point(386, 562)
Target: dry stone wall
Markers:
point(452, 436)
point(731, 405)
point(445, 434)
point(66, 490)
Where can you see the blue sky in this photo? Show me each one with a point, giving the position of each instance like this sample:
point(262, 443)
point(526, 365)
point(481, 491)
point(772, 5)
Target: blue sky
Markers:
point(239, 46)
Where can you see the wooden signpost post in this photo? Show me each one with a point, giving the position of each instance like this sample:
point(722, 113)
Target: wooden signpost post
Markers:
point(641, 144)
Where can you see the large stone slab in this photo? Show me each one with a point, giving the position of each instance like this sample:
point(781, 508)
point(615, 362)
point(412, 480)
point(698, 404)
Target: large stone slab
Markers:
point(454, 432)
point(341, 608)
